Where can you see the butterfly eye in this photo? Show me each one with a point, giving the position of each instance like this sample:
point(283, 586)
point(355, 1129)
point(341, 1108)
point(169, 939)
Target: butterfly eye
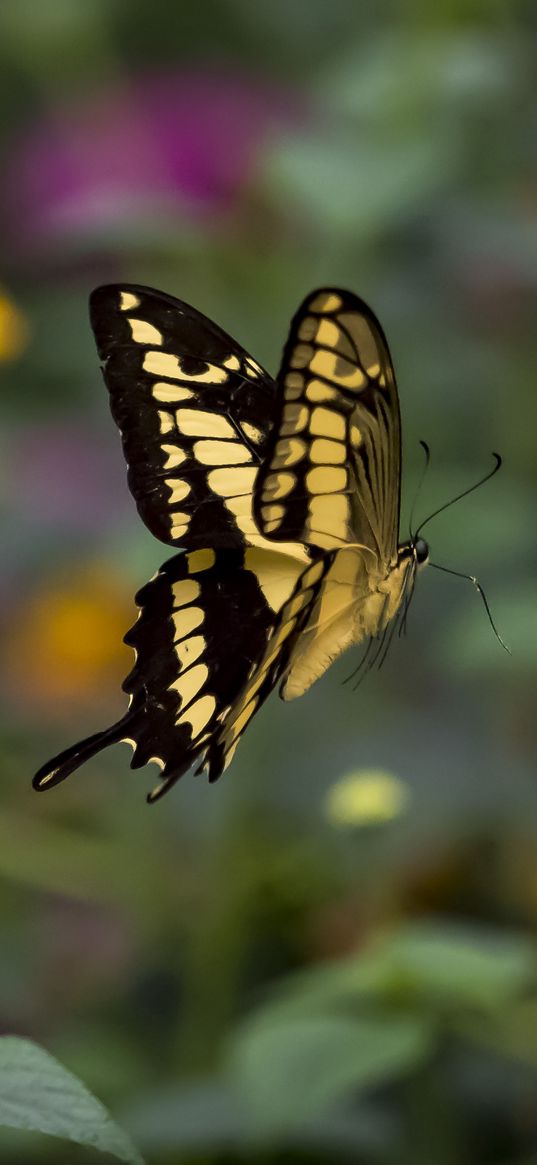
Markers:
point(421, 550)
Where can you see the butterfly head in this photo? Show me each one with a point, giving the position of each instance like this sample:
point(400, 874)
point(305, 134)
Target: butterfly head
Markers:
point(415, 552)
point(421, 551)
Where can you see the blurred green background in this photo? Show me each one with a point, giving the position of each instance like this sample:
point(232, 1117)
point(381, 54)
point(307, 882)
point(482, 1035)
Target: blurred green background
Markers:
point(329, 956)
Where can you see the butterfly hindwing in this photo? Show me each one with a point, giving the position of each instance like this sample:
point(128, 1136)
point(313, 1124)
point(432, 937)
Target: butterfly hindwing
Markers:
point(194, 411)
point(206, 621)
point(331, 475)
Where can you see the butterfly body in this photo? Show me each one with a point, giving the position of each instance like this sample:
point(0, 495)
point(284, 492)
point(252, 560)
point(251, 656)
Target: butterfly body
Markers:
point(281, 497)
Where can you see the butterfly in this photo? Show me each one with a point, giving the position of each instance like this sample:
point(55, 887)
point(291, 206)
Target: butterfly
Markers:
point(282, 497)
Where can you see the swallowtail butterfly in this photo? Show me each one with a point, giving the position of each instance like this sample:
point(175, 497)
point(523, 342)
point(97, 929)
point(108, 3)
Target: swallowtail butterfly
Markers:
point(282, 499)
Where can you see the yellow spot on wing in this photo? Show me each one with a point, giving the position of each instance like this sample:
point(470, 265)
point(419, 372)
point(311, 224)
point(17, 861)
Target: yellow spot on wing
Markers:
point(185, 591)
point(337, 369)
point(278, 485)
point(198, 423)
point(325, 302)
point(324, 452)
point(170, 392)
point(232, 362)
point(326, 480)
point(48, 777)
point(179, 489)
point(188, 685)
point(165, 364)
point(327, 423)
point(328, 333)
point(317, 392)
point(145, 333)
point(186, 620)
point(272, 513)
point(232, 482)
point(221, 452)
point(289, 450)
point(295, 418)
point(252, 432)
point(253, 368)
point(174, 456)
point(165, 421)
point(201, 560)
point(198, 714)
point(127, 300)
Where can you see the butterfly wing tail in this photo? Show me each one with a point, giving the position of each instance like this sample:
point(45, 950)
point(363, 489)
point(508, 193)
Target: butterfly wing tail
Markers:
point(61, 766)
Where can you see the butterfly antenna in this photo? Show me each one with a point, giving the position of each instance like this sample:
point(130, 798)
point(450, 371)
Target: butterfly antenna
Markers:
point(471, 578)
point(425, 447)
point(372, 661)
point(360, 664)
point(409, 597)
point(458, 497)
point(400, 619)
point(389, 640)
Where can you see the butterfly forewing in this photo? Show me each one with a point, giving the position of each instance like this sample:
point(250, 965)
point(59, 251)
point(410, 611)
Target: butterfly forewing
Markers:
point(194, 411)
point(331, 474)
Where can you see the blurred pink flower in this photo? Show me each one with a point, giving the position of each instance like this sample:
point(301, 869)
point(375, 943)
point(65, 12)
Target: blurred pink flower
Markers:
point(66, 476)
point(191, 140)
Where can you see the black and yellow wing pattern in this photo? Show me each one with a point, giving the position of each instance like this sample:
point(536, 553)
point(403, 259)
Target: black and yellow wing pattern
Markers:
point(331, 476)
point(194, 411)
point(283, 497)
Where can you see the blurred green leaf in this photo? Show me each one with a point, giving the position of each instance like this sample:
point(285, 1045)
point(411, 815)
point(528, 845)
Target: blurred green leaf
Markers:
point(38, 1094)
point(332, 986)
point(476, 968)
point(348, 184)
point(288, 1072)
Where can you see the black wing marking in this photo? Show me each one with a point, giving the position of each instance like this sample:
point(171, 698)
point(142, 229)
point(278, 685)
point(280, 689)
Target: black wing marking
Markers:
point(332, 472)
point(205, 622)
point(194, 411)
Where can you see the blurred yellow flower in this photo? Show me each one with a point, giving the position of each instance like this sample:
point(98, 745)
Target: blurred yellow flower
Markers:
point(63, 646)
point(366, 797)
point(13, 329)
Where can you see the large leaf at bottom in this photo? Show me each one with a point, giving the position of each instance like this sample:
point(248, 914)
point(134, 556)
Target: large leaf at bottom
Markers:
point(39, 1095)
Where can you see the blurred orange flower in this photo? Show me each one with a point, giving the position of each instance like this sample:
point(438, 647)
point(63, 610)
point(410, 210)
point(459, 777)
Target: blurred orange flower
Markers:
point(13, 329)
point(64, 646)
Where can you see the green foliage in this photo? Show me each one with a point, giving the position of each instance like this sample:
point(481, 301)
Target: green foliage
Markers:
point(373, 1018)
point(38, 1094)
point(330, 1058)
